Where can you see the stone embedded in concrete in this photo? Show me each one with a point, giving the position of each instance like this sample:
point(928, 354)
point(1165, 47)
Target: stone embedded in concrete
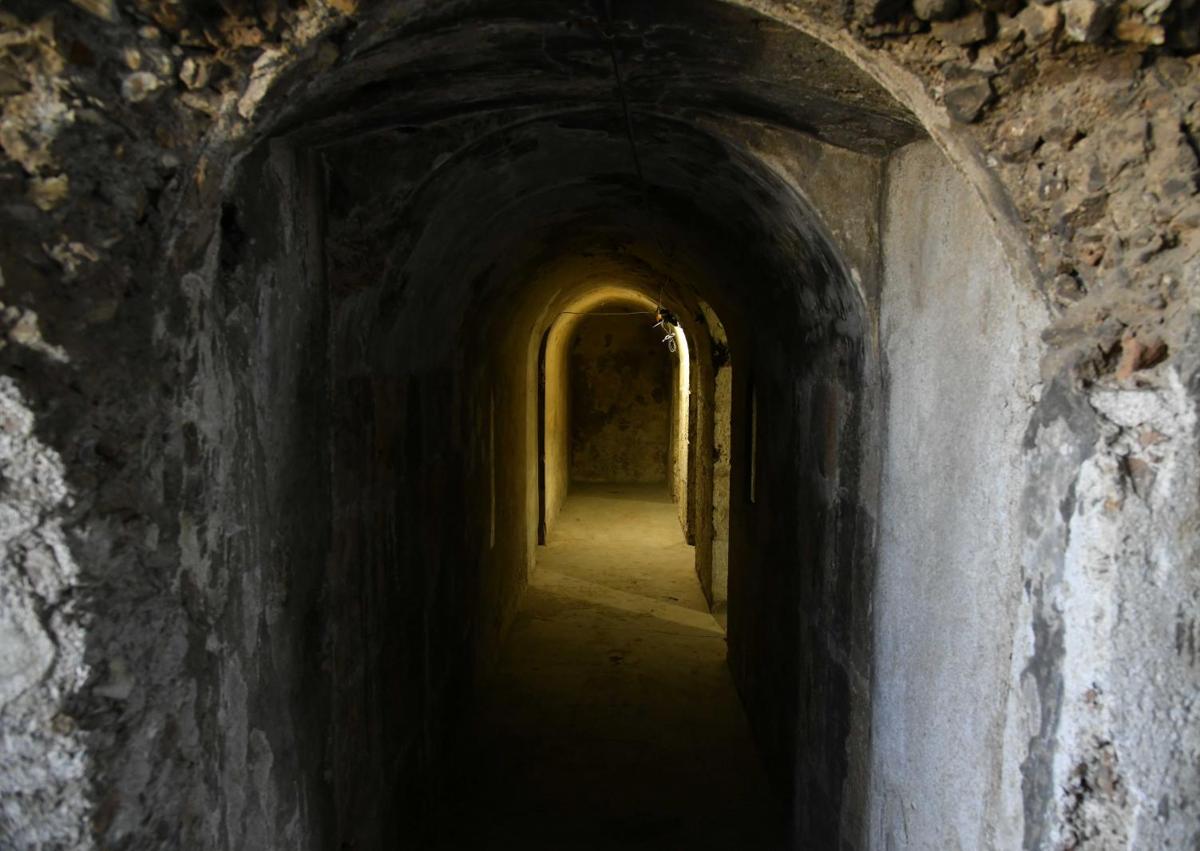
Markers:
point(195, 73)
point(935, 10)
point(105, 10)
point(1139, 354)
point(974, 27)
point(1087, 20)
point(1039, 22)
point(48, 192)
point(1139, 32)
point(967, 94)
point(140, 86)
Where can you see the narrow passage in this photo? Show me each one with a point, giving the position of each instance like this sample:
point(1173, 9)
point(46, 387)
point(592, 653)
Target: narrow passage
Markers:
point(612, 721)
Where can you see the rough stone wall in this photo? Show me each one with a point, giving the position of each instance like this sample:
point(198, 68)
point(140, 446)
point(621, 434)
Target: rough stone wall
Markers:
point(1085, 112)
point(557, 446)
point(197, 650)
point(45, 788)
point(1109, 672)
point(170, 394)
point(620, 385)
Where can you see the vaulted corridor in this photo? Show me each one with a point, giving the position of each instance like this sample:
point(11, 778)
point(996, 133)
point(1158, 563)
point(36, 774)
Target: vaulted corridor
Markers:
point(611, 720)
point(328, 326)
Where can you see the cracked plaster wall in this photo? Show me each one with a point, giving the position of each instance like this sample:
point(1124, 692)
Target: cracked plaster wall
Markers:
point(1105, 677)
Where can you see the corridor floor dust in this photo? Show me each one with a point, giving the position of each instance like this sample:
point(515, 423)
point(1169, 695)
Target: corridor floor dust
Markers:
point(611, 721)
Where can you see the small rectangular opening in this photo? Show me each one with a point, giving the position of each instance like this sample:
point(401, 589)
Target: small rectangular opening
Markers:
point(753, 446)
point(492, 471)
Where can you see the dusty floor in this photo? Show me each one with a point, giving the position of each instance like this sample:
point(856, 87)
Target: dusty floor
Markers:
point(612, 721)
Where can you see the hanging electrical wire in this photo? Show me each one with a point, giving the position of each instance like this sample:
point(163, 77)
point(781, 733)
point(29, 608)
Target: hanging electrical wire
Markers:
point(610, 38)
point(666, 319)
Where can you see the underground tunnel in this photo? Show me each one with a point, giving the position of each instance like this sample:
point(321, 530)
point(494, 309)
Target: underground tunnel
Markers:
point(357, 497)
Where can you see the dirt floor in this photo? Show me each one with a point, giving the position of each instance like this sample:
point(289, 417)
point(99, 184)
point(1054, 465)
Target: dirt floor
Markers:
point(611, 721)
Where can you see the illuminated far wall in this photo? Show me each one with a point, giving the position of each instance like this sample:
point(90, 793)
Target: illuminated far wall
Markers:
point(620, 384)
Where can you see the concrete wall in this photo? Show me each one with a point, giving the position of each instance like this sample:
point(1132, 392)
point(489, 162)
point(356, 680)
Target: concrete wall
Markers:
point(958, 335)
point(722, 472)
point(223, 682)
point(712, 562)
point(681, 420)
point(556, 423)
point(432, 474)
point(620, 392)
point(801, 555)
point(254, 556)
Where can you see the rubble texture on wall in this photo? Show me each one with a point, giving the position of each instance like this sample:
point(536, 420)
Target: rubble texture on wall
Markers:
point(262, 270)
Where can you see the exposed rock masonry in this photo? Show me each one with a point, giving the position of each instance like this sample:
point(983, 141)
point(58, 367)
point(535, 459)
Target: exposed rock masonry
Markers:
point(116, 114)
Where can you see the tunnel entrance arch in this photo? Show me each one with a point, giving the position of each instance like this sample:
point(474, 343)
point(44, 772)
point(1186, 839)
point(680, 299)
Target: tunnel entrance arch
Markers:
point(428, 338)
point(422, 325)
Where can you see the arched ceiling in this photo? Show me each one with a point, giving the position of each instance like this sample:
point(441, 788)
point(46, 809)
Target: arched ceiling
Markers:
point(469, 233)
point(418, 64)
point(469, 143)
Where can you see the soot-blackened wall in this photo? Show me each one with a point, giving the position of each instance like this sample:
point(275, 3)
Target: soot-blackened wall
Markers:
point(241, 688)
